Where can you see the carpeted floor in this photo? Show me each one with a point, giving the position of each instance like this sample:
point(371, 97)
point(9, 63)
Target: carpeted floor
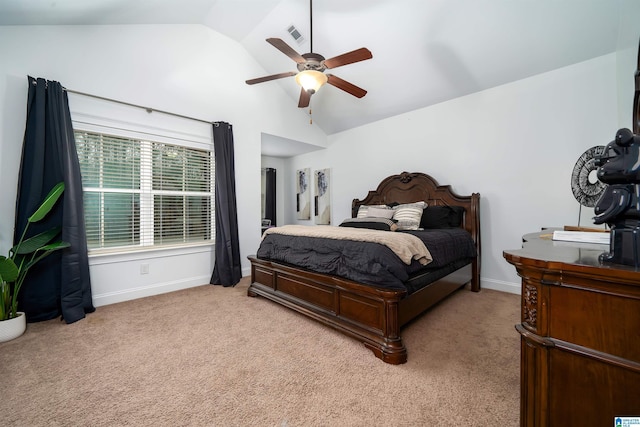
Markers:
point(211, 356)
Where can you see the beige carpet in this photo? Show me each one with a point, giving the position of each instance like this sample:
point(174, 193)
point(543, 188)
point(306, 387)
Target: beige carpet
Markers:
point(211, 356)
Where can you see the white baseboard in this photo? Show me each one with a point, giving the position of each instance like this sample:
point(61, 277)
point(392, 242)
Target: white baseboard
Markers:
point(147, 291)
point(499, 285)
point(161, 288)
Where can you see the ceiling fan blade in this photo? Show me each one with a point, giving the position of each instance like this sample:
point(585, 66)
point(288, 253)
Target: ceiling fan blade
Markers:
point(271, 77)
point(287, 50)
point(305, 97)
point(346, 86)
point(348, 58)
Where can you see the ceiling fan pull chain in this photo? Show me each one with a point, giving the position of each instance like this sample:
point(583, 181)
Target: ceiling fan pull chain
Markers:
point(310, 118)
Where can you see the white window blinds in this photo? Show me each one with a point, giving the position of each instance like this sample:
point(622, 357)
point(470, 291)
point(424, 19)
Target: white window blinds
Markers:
point(141, 194)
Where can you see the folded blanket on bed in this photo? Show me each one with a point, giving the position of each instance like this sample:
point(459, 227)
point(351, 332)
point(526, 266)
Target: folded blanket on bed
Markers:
point(406, 246)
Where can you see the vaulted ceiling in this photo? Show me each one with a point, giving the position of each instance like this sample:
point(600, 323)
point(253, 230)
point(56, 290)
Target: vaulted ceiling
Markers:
point(424, 51)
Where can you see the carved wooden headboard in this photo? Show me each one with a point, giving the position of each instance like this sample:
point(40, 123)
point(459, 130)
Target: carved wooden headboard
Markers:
point(413, 187)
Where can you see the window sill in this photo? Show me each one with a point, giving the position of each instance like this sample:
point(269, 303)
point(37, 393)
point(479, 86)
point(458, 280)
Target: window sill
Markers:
point(105, 256)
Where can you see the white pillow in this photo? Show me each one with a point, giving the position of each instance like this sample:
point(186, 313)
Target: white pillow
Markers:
point(374, 212)
point(408, 215)
point(363, 209)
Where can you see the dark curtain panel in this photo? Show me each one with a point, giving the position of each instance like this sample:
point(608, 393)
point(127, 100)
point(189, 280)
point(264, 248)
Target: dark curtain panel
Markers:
point(270, 195)
point(59, 285)
point(227, 270)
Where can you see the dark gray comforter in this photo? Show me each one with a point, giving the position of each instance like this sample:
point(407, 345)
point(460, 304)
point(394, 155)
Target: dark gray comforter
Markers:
point(369, 263)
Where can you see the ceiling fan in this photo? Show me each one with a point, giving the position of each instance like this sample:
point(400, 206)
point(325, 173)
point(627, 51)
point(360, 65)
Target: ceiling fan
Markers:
point(311, 67)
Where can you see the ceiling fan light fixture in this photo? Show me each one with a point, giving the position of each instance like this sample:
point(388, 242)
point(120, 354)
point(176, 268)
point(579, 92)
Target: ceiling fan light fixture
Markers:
point(311, 80)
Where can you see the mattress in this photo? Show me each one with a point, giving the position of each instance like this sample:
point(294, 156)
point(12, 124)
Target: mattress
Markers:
point(373, 263)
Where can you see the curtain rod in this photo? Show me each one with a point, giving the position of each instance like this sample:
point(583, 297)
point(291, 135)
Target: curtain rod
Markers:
point(147, 109)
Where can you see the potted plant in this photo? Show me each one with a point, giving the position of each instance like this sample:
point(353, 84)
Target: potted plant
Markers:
point(21, 257)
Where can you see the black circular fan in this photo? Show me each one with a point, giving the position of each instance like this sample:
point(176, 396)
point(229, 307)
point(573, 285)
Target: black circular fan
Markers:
point(585, 184)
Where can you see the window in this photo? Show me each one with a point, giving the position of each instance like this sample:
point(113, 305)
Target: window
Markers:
point(140, 194)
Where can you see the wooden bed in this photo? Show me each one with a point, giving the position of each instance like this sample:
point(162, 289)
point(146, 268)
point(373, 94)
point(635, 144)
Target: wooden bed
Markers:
point(367, 313)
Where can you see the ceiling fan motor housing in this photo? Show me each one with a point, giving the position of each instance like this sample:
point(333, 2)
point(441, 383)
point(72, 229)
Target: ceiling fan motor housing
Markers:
point(313, 62)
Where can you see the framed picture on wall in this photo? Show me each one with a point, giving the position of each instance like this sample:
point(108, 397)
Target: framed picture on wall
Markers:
point(303, 193)
point(322, 213)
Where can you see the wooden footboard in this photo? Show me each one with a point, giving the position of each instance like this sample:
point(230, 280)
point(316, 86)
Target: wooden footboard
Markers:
point(363, 312)
point(371, 315)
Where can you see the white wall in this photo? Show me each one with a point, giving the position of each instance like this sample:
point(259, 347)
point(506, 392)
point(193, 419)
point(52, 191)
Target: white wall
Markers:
point(185, 69)
point(515, 144)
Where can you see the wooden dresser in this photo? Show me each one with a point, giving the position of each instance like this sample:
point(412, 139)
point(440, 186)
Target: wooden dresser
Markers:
point(580, 334)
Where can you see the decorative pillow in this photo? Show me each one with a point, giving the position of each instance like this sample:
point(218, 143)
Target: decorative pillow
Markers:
point(374, 212)
point(408, 215)
point(363, 209)
point(442, 217)
point(371, 223)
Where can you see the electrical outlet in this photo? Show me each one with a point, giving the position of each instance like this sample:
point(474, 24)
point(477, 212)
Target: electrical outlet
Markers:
point(144, 268)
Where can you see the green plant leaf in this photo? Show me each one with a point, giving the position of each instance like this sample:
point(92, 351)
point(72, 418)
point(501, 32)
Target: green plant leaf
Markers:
point(55, 246)
point(36, 242)
point(8, 270)
point(26, 253)
point(48, 203)
point(44, 252)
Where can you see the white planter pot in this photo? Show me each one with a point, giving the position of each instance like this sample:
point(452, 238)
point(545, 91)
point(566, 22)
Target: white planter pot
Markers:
point(13, 328)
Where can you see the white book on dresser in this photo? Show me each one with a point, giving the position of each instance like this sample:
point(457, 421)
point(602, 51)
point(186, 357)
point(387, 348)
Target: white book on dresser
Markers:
point(582, 236)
